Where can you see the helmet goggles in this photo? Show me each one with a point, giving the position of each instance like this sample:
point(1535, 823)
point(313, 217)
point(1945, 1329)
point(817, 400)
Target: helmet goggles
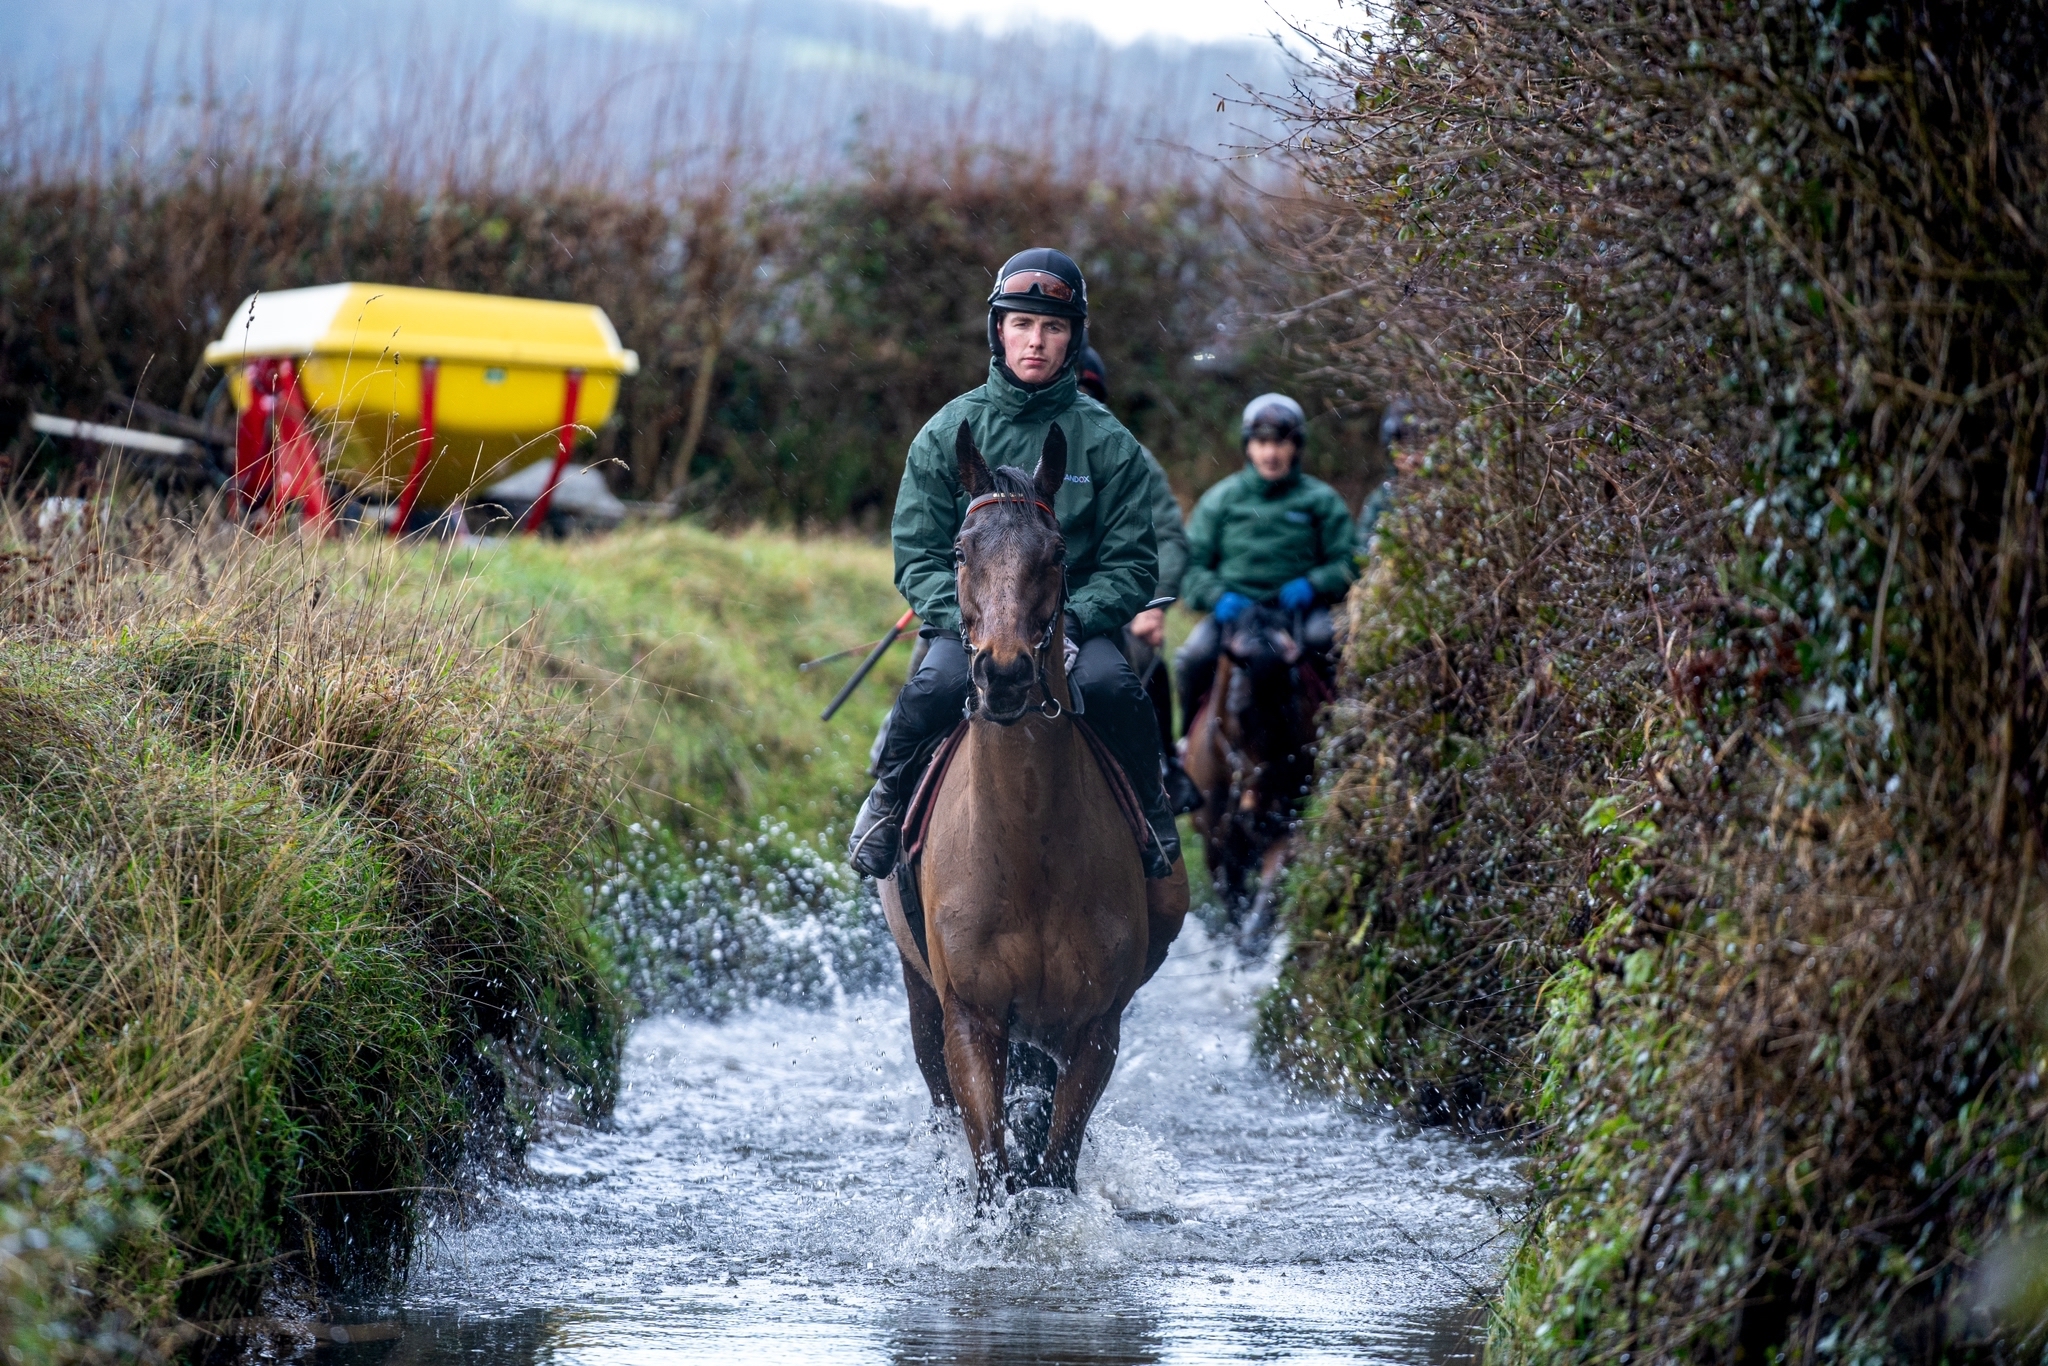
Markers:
point(1030, 283)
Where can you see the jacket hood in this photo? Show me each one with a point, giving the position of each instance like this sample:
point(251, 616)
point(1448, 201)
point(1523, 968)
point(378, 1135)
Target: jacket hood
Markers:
point(1020, 404)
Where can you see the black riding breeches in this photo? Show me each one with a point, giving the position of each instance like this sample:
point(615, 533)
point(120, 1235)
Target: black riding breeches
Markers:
point(1156, 677)
point(1194, 664)
point(930, 703)
point(1104, 690)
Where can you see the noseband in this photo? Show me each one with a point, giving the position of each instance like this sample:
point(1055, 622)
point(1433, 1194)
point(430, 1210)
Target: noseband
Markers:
point(1049, 708)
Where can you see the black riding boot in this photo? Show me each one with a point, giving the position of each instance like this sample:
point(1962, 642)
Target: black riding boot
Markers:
point(929, 706)
point(876, 831)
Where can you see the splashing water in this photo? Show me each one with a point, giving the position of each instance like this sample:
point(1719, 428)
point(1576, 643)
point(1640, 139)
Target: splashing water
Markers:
point(775, 1188)
point(706, 928)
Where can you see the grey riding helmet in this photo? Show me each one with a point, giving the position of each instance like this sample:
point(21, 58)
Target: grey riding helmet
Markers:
point(1040, 280)
point(1275, 417)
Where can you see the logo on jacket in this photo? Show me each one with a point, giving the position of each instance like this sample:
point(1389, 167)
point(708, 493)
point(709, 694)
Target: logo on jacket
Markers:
point(1077, 479)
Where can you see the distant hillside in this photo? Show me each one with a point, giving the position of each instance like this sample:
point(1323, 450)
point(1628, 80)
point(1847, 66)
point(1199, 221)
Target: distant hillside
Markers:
point(641, 92)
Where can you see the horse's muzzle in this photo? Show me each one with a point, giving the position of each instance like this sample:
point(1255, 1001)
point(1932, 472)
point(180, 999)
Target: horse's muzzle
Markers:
point(1002, 690)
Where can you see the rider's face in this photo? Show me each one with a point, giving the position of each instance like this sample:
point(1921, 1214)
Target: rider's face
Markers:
point(1035, 345)
point(1271, 458)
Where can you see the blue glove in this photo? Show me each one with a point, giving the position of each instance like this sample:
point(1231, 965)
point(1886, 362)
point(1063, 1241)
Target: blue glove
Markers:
point(1231, 606)
point(1297, 595)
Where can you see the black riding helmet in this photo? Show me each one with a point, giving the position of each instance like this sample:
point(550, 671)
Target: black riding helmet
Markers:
point(1040, 280)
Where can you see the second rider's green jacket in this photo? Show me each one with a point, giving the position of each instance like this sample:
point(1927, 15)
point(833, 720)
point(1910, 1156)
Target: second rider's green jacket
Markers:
point(1248, 536)
point(1104, 508)
point(1167, 531)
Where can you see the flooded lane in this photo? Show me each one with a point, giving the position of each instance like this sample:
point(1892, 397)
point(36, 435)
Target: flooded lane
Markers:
point(773, 1190)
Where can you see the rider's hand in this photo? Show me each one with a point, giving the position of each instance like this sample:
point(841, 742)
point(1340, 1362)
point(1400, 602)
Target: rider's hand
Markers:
point(1150, 626)
point(1231, 606)
point(1297, 595)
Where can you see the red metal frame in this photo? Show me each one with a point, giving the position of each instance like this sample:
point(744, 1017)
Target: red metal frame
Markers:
point(277, 461)
point(430, 379)
point(565, 442)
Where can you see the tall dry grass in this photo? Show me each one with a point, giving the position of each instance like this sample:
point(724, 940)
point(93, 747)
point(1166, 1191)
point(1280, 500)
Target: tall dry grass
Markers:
point(291, 929)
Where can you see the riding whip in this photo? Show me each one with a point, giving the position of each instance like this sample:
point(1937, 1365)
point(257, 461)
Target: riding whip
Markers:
point(822, 660)
point(874, 658)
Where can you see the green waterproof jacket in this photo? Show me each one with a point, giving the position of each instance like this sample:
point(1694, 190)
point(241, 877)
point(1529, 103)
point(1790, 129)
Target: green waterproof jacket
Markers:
point(1104, 508)
point(1248, 536)
point(1167, 531)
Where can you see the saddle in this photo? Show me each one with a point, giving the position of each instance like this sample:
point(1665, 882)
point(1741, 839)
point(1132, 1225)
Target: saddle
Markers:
point(918, 816)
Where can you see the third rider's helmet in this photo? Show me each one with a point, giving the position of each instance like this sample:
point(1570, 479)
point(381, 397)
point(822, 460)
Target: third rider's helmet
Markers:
point(1275, 417)
point(1040, 280)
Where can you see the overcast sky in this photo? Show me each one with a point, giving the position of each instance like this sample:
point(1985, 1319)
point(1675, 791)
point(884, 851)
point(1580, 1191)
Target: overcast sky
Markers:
point(1124, 20)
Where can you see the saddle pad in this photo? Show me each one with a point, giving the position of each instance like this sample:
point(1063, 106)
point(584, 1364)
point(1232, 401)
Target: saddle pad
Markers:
point(1120, 784)
point(918, 816)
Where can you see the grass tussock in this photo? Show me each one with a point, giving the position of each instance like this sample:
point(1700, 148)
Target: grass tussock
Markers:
point(1685, 808)
point(684, 644)
point(290, 928)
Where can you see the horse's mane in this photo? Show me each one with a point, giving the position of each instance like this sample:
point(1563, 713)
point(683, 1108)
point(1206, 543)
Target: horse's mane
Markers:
point(1010, 479)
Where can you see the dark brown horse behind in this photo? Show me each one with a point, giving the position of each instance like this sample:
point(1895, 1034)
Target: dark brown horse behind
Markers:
point(1037, 924)
point(1251, 751)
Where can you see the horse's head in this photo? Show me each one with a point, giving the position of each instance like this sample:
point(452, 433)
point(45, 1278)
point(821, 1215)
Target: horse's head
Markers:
point(1260, 703)
point(1010, 562)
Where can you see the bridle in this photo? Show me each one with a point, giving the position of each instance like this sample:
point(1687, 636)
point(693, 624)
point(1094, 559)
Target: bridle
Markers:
point(1049, 707)
point(989, 499)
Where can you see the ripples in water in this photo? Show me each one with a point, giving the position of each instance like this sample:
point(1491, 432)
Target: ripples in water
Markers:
point(774, 1189)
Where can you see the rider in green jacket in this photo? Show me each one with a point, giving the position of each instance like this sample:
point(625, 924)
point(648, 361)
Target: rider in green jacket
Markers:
point(1036, 315)
point(1267, 534)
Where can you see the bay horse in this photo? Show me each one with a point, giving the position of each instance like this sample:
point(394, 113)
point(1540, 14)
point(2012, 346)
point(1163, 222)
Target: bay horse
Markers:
point(1026, 924)
point(1251, 751)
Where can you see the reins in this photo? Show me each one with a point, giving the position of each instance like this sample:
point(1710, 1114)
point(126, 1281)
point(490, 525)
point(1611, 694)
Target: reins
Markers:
point(1050, 708)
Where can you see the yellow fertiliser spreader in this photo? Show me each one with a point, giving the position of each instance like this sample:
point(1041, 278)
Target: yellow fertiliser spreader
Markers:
point(409, 393)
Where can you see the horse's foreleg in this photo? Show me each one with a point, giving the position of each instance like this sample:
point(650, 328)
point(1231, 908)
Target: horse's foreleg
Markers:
point(1074, 1100)
point(977, 1054)
point(928, 1035)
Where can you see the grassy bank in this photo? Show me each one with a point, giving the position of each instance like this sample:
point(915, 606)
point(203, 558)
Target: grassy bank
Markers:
point(290, 930)
point(684, 643)
point(1685, 806)
point(722, 882)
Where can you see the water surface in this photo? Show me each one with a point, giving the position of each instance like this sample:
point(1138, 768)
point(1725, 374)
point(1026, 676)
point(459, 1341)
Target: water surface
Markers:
point(774, 1190)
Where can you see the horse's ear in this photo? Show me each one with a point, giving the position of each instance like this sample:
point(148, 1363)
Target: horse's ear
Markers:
point(974, 475)
point(1052, 464)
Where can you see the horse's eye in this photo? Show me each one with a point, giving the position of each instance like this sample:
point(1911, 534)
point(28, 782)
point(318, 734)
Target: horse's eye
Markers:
point(959, 556)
